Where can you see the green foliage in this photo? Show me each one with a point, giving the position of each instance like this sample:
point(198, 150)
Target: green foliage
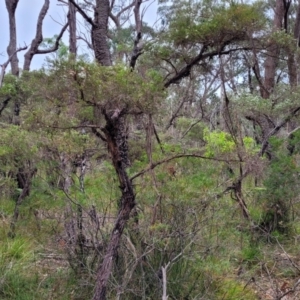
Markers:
point(219, 25)
point(17, 149)
point(251, 253)
point(217, 142)
point(229, 289)
point(282, 188)
point(89, 85)
point(10, 86)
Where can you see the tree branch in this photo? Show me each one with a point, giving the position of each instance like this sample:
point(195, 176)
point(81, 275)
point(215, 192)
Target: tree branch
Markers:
point(56, 44)
point(4, 66)
point(185, 71)
point(38, 36)
point(154, 165)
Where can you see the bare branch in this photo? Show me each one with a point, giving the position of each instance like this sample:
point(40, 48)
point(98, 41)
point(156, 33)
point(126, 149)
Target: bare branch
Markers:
point(185, 71)
point(4, 66)
point(115, 19)
point(56, 44)
point(126, 8)
point(154, 165)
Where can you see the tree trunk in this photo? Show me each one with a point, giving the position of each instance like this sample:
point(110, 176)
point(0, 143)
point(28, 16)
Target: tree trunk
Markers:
point(292, 63)
point(11, 6)
point(99, 33)
point(273, 53)
point(72, 28)
point(115, 138)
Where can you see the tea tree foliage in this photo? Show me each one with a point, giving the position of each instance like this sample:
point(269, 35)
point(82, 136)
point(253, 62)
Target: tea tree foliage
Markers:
point(96, 86)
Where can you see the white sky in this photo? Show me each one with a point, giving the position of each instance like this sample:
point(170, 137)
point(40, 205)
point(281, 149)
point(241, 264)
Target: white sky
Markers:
point(26, 17)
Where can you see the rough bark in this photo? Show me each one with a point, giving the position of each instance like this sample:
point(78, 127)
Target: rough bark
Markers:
point(11, 6)
point(99, 32)
point(72, 29)
point(114, 139)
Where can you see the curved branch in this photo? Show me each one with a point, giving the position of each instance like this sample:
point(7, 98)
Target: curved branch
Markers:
point(56, 44)
point(185, 71)
point(38, 36)
point(154, 165)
